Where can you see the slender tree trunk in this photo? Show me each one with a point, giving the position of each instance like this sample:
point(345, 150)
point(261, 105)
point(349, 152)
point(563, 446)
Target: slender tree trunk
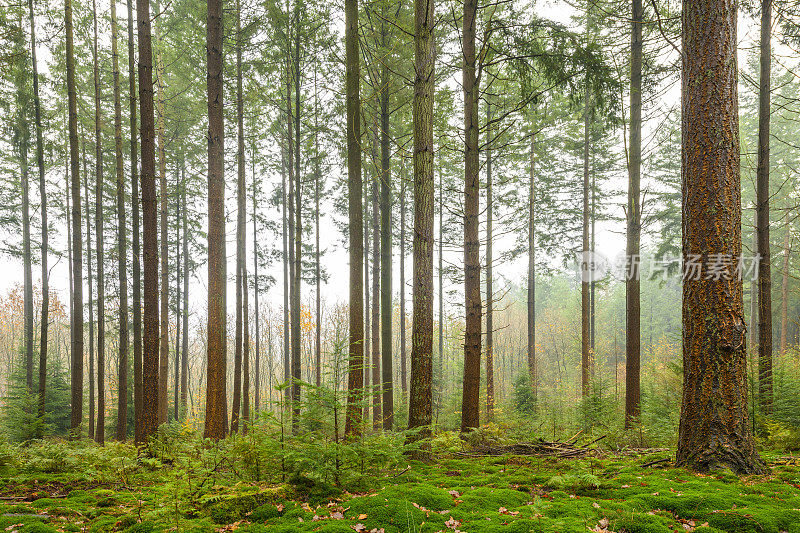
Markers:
point(240, 226)
point(715, 430)
point(762, 213)
point(787, 251)
point(216, 403)
point(317, 273)
point(403, 363)
point(177, 364)
point(163, 369)
point(43, 199)
point(585, 259)
point(122, 240)
point(420, 408)
point(386, 250)
point(489, 286)
point(257, 398)
point(76, 342)
point(367, 316)
point(27, 258)
point(632, 304)
point(136, 266)
point(532, 373)
point(100, 432)
point(470, 409)
point(440, 363)
point(91, 296)
point(298, 233)
point(285, 222)
point(377, 411)
point(185, 340)
point(355, 380)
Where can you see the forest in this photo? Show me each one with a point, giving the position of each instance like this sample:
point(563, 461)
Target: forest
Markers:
point(394, 266)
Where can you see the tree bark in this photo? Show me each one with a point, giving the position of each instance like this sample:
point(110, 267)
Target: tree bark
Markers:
point(43, 199)
point(76, 343)
point(715, 430)
point(585, 260)
point(122, 240)
point(377, 411)
point(185, 340)
point(787, 251)
point(632, 303)
point(355, 379)
point(531, 325)
point(420, 408)
point(257, 397)
point(298, 234)
point(762, 213)
point(163, 369)
point(100, 432)
point(489, 287)
point(136, 250)
point(216, 403)
point(470, 408)
point(91, 297)
point(402, 325)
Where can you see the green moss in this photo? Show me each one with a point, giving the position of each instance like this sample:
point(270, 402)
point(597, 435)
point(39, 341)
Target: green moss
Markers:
point(487, 499)
point(642, 523)
point(37, 527)
point(265, 512)
point(140, 527)
point(422, 494)
point(336, 527)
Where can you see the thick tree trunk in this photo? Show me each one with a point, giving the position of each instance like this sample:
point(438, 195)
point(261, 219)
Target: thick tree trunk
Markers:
point(762, 214)
point(150, 354)
point(355, 380)
point(420, 409)
point(122, 240)
point(76, 313)
point(470, 408)
point(632, 304)
point(100, 432)
point(136, 266)
point(216, 403)
point(489, 287)
point(715, 430)
point(45, 314)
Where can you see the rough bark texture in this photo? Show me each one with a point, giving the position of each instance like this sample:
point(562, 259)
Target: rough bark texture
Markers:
point(762, 214)
point(355, 379)
point(136, 251)
point(216, 402)
point(420, 409)
point(489, 287)
point(89, 284)
point(76, 313)
point(163, 367)
point(150, 354)
point(100, 432)
point(470, 409)
point(403, 362)
point(715, 429)
point(122, 240)
point(632, 304)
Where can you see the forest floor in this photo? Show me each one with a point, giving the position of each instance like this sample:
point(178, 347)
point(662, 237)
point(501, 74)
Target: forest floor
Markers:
point(65, 492)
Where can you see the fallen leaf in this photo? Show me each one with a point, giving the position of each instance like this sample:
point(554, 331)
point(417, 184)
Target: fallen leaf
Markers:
point(339, 516)
point(454, 493)
point(362, 517)
point(359, 528)
point(596, 505)
point(452, 523)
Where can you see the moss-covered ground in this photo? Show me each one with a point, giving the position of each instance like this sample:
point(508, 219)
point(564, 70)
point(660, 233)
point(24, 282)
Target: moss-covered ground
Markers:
point(82, 489)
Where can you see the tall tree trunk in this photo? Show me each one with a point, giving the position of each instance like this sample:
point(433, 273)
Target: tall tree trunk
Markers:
point(43, 199)
point(100, 432)
point(150, 359)
point(241, 243)
point(753, 327)
point(91, 296)
point(377, 411)
point(240, 225)
point(420, 408)
point(317, 273)
point(470, 409)
point(185, 340)
point(257, 397)
point(532, 373)
point(76, 342)
point(27, 258)
point(762, 213)
point(216, 403)
point(177, 364)
point(386, 250)
point(787, 251)
point(122, 240)
point(298, 233)
point(163, 368)
point(136, 250)
point(355, 379)
point(245, 352)
point(634, 216)
point(489, 259)
point(714, 429)
point(367, 317)
point(585, 259)
point(402, 325)
point(439, 376)
point(285, 257)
